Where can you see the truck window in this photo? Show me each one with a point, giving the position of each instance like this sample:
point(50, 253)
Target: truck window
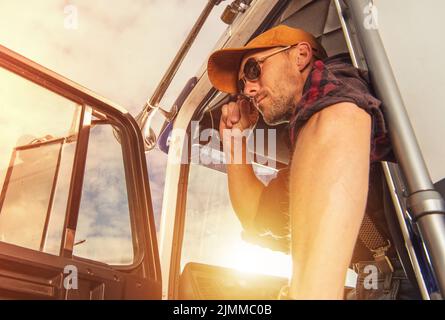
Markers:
point(38, 133)
point(103, 229)
point(213, 234)
point(38, 139)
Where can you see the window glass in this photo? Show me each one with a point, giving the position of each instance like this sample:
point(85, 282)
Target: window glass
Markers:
point(104, 228)
point(38, 131)
point(213, 233)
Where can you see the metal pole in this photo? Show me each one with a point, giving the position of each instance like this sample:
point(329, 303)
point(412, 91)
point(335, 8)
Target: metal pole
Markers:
point(144, 119)
point(174, 66)
point(426, 204)
point(385, 85)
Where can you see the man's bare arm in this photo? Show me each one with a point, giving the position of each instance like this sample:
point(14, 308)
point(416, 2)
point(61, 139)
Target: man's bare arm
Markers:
point(245, 191)
point(328, 192)
point(244, 187)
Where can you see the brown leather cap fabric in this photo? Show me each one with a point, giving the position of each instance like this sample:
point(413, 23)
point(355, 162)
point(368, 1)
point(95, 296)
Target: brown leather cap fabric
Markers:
point(223, 65)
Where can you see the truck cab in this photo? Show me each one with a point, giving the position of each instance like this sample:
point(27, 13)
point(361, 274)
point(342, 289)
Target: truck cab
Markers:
point(76, 211)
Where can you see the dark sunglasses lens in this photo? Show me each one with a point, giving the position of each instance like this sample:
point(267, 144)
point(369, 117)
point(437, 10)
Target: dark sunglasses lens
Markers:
point(252, 70)
point(240, 85)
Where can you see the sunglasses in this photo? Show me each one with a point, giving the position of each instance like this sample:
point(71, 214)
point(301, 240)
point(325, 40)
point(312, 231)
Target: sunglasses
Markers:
point(252, 67)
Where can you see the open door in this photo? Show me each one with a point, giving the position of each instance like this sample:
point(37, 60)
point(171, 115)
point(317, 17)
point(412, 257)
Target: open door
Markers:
point(76, 219)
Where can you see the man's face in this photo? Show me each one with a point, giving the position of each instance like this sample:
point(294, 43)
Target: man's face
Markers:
point(278, 88)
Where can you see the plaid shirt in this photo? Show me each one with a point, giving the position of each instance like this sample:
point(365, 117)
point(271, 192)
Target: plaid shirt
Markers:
point(335, 80)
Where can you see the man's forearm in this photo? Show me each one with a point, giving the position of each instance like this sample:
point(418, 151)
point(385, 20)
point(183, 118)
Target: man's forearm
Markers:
point(244, 188)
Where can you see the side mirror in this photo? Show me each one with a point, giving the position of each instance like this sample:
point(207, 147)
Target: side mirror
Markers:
point(151, 139)
point(145, 121)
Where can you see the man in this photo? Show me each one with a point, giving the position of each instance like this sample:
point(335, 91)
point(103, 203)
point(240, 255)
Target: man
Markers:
point(337, 131)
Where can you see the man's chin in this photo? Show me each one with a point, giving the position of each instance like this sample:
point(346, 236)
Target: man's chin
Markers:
point(268, 118)
point(274, 122)
point(268, 121)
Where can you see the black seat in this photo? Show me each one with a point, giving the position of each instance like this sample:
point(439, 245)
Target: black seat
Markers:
point(200, 281)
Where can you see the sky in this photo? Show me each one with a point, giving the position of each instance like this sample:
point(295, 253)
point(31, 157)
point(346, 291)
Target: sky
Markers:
point(118, 49)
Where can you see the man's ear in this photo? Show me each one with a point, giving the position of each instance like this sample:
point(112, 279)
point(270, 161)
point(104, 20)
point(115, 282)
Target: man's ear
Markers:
point(303, 55)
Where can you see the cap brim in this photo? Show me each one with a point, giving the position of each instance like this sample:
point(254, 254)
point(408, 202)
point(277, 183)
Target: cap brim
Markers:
point(223, 67)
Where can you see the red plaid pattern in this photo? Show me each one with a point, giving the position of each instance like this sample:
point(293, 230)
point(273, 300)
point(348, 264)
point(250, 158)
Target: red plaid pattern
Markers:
point(335, 80)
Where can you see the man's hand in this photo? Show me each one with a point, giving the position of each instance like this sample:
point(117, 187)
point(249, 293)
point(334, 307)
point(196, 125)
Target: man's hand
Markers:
point(240, 115)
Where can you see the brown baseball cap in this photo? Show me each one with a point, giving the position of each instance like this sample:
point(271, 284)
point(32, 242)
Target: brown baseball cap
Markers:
point(224, 64)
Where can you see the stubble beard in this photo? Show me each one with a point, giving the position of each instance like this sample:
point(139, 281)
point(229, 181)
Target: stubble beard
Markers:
point(279, 110)
point(280, 103)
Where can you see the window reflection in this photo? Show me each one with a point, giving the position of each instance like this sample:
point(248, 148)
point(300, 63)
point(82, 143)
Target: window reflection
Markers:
point(37, 130)
point(104, 227)
point(28, 192)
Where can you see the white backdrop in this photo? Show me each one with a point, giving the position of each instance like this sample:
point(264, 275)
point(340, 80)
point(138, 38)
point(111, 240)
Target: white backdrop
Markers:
point(413, 33)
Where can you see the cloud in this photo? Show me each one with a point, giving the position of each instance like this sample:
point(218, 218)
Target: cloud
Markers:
point(119, 50)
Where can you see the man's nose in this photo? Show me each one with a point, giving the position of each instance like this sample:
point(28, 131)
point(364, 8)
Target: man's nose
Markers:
point(251, 88)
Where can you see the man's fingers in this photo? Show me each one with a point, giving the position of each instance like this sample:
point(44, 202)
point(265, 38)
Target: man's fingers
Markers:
point(245, 108)
point(234, 112)
point(241, 114)
point(224, 113)
point(225, 122)
point(248, 112)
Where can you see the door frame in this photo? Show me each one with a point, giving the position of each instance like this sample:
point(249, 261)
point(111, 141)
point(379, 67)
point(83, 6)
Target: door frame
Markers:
point(143, 278)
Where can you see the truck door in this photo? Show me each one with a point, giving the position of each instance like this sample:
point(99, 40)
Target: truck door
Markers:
point(76, 220)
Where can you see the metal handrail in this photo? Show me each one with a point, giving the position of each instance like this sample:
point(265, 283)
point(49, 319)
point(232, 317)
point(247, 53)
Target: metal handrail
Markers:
point(144, 118)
